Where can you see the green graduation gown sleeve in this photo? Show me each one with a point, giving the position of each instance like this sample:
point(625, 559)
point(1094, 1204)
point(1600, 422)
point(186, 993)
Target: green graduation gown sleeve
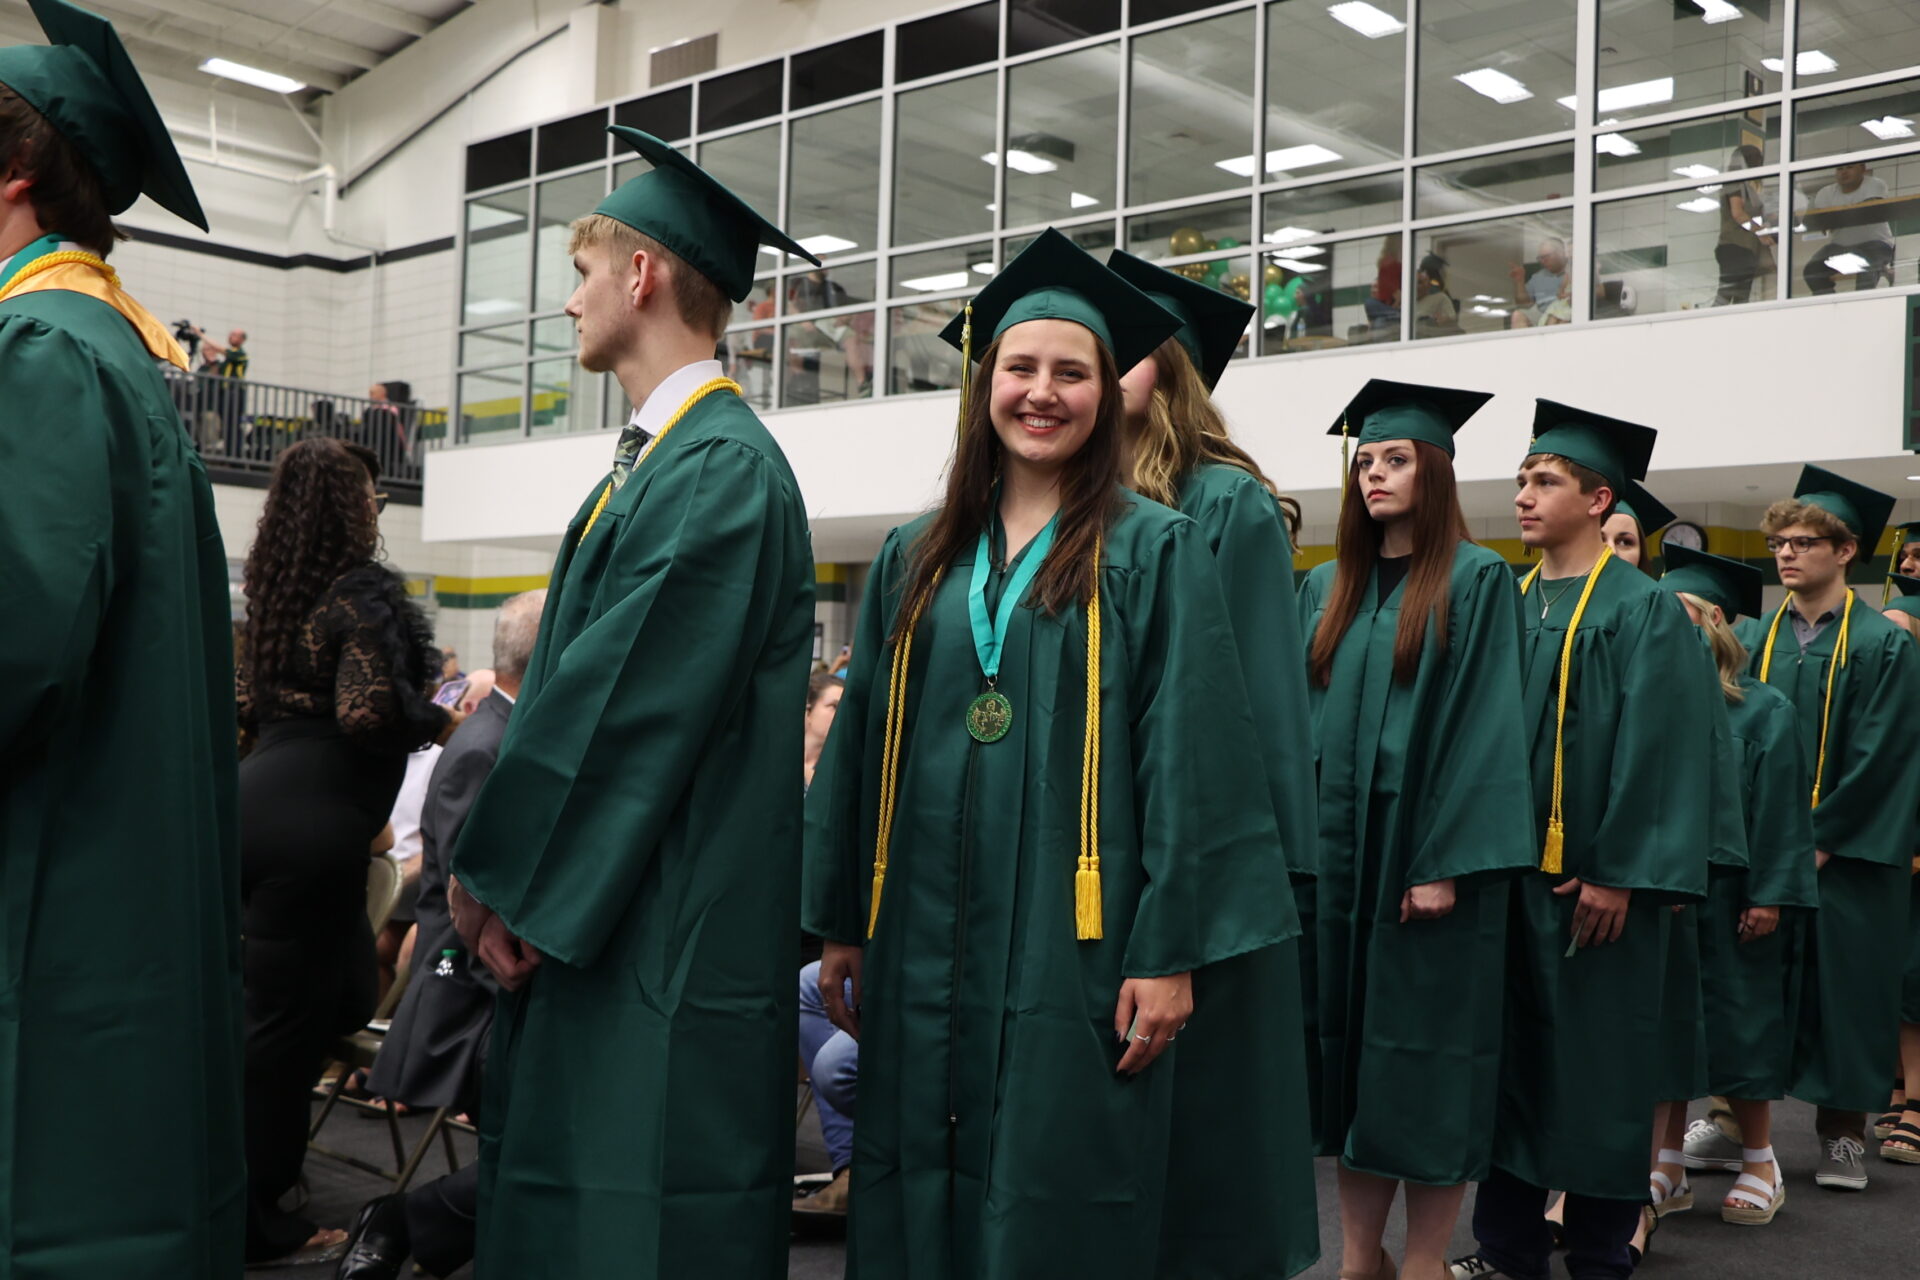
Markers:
point(1418, 782)
point(119, 873)
point(641, 828)
point(994, 1139)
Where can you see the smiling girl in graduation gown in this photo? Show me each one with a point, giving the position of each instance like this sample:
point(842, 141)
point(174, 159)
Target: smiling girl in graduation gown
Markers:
point(1042, 808)
point(1241, 1106)
point(1414, 669)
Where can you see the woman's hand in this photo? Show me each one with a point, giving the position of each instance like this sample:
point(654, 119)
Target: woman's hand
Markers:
point(1427, 901)
point(1153, 1009)
point(454, 716)
point(840, 965)
point(1758, 922)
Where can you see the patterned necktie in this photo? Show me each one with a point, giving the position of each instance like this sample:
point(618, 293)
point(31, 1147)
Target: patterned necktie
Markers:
point(627, 452)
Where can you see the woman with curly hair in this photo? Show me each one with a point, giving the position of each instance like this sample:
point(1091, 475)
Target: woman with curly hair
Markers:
point(333, 694)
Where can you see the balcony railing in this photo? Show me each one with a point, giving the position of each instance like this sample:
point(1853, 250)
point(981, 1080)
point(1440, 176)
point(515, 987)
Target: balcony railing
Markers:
point(241, 426)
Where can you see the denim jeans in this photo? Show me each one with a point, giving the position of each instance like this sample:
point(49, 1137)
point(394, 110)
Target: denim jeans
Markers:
point(832, 1058)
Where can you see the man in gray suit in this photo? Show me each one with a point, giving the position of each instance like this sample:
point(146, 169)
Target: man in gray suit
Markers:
point(433, 1052)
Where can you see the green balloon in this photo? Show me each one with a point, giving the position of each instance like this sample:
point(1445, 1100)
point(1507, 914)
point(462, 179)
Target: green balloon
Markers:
point(1217, 271)
point(1273, 295)
point(1228, 242)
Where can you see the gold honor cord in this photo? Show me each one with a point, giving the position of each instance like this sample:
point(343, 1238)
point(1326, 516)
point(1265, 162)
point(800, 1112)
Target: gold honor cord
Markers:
point(700, 393)
point(60, 258)
point(1552, 859)
point(1839, 661)
point(1087, 910)
point(1346, 464)
point(966, 364)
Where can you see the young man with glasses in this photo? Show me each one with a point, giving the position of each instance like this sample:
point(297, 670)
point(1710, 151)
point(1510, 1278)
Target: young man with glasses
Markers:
point(1852, 678)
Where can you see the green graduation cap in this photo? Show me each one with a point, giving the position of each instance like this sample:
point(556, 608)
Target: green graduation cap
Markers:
point(86, 86)
point(688, 210)
point(1651, 514)
point(1862, 510)
point(1734, 586)
point(1055, 279)
point(1387, 410)
point(1211, 322)
point(1908, 601)
point(1617, 449)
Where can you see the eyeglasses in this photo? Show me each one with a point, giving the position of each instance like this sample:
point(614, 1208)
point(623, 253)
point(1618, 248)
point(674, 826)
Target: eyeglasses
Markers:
point(1800, 545)
point(379, 502)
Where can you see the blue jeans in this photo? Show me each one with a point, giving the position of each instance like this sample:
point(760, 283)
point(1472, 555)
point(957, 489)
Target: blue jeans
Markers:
point(832, 1058)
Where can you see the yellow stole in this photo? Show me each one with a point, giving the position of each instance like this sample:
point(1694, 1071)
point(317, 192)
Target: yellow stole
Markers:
point(77, 271)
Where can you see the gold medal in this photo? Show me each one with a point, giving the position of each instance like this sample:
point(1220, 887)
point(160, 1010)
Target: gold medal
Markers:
point(989, 716)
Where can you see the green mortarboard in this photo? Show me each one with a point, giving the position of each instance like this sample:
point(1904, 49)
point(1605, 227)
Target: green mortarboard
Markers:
point(1408, 411)
point(1617, 449)
point(1211, 322)
point(1908, 601)
point(1055, 279)
point(86, 86)
point(688, 210)
point(1647, 511)
point(1905, 533)
point(1734, 586)
point(1862, 510)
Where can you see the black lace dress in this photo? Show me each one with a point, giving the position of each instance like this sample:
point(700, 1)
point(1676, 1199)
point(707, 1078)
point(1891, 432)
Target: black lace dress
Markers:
point(329, 752)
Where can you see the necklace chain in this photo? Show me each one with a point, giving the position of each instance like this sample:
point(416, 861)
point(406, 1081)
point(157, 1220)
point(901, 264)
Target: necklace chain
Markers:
point(1548, 601)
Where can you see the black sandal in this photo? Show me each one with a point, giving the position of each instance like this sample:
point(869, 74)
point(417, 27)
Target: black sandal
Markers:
point(1889, 1119)
point(1907, 1134)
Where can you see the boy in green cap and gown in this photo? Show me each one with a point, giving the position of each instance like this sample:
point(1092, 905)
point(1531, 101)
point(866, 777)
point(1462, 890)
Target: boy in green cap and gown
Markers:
point(1853, 679)
point(119, 872)
point(1622, 784)
point(631, 870)
point(1034, 822)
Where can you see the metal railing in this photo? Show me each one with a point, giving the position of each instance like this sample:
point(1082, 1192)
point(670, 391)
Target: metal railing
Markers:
point(241, 426)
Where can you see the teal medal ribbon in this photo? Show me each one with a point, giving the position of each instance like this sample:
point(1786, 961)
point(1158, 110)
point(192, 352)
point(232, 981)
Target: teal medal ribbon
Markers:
point(28, 255)
point(990, 715)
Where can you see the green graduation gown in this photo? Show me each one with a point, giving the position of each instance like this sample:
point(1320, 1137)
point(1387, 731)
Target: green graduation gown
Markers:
point(1856, 943)
point(1751, 988)
point(642, 829)
point(1240, 1190)
point(1418, 783)
point(995, 1140)
point(120, 1152)
point(1582, 1046)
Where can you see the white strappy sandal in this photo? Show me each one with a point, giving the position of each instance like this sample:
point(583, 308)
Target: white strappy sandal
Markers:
point(1761, 1201)
point(1662, 1194)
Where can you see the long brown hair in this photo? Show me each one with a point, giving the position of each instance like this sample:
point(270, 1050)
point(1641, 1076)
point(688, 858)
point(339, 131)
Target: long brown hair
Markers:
point(316, 525)
point(1438, 528)
point(1729, 655)
point(1184, 429)
point(1089, 499)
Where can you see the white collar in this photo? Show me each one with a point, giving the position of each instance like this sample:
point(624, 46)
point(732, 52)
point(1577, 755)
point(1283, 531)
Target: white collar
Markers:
point(672, 393)
point(503, 693)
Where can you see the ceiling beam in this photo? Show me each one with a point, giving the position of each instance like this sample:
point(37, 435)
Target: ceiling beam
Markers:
point(382, 15)
point(229, 29)
point(196, 48)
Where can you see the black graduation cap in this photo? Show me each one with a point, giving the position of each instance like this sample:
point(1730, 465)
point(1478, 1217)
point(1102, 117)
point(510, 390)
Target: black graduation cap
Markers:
point(1731, 584)
point(1211, 322)
point(1619, 450)
point(1862, 510)
point(1386, 410)
point(1647, 511)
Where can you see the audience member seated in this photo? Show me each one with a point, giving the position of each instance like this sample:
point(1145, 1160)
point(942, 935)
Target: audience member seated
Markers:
point(1871, 241)
point(1536, 295)
point(1435, 313)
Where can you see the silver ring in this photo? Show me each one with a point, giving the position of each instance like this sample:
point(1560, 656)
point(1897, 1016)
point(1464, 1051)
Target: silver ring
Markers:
point(1147, 1038)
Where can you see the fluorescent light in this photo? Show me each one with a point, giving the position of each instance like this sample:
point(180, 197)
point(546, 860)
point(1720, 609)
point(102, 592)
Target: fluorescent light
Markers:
point(1079, 201)
point(1024, 161)
point(1714, 12)
point(1697, 171)
point(1298, 251)
point(1625, 97)
point(1616, 144)
point(1486, 297)
point(817, 245)
point(1281, 161)
point(1848, 264)
point(1887, 128)
point(1302, 268)
point(1498, 85)
point(1492, 311)
point(1699, 205)
point(1367, 20)
point(1287, 235)
point(984, 268)
point(934, 284)
point(493, 307)
point(1812, 62)
point(252, 75)
point(1711, 189)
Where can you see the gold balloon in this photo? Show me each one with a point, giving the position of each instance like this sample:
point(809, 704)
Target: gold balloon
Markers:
point(1187, 240)
point(1275, 275)
point(1239, 287)
point(1191, 270)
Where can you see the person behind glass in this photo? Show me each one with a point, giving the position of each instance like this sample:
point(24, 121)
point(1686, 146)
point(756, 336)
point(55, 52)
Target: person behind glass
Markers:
point(1743, 251)
point(1434, 310)
point(830, 1056)
point(333, 688)
point(1040, 810)
point(1535, 294)
point(1621, 801)
point(1416, 715)
point(1383, 303)
point(1242, 1082)
point(1867, 239)
point(1749, 972)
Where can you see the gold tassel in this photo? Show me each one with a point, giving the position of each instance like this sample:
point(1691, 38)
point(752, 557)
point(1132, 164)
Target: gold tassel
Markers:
point(1346, 464)
point(966, 363)
point(1088, 913)
point(873, 914)
point(1551, 861)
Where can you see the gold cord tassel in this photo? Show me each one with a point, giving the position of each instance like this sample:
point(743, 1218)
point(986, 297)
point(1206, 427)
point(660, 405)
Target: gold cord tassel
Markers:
point(1552, 859)
point(890, 759)
point(1089, 914)
point(966, 363)
point(1346, 464)
point(1553, 855)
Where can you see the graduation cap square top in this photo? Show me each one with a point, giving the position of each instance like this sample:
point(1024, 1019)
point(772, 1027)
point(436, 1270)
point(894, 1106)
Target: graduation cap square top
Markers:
point(1647, 511)
point(1865, 511)
point(1211, 322)
point(1617, 449)
point(1734, 586)
point(1386, 410)
point(1055, 279)
point(1904, 535)
point(86, 86)
point(691, 212)
point(1908, 601)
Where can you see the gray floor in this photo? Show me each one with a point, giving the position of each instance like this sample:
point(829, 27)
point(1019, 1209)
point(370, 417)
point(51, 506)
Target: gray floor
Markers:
point(1819, 1235)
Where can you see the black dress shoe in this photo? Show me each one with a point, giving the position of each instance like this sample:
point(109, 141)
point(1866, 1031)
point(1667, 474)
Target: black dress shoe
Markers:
point(377, 1247)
